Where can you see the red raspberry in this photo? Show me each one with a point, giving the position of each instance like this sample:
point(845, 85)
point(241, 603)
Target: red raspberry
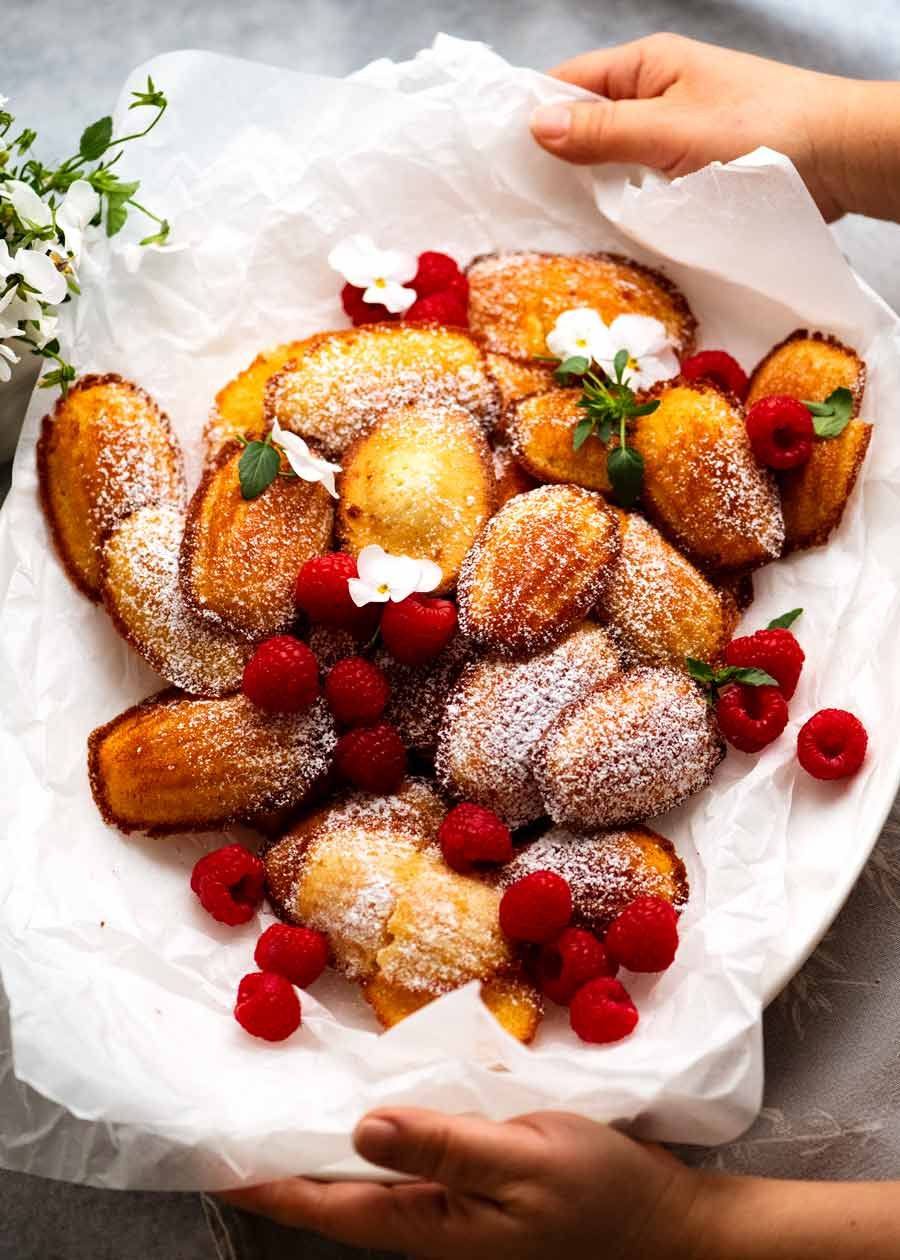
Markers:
point(418, 628)
point(372, 758)
point(832, 744)
point(446, 307)
point(436, 273)
point(751, 717)
point(282, 675)
point(361, 312)
point(601, 1011)
point(297, 953)
point(719, 367)
point(775, 651)
point(536, 908)
point(644, 936)
point(567, 963)
point(472, 836)
point(321, 592)
point(357, 691)
point(230, 883)
point(781, 431)
point(267, 1006)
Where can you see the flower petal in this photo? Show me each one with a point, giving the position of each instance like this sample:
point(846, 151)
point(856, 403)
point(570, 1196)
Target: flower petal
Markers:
point(398, 265)
point(654, 368)
point(392, 295)
point(404, 577)
point(38, 271)
point(351, 254)
point(27, 204)
point(81, 203)
point(362, 593)
point(430, 575)
point(371, 566)
point(638, 334)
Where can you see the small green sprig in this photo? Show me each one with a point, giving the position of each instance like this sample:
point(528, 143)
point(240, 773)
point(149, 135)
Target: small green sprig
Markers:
point(259, 465)
point(609, 404)
point(712, 680)
point(831, 417)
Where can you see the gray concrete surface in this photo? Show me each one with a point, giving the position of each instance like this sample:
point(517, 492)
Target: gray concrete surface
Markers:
point(61, 63)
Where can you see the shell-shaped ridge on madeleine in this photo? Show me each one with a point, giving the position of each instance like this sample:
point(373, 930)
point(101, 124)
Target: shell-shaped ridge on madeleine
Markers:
point(631, 749)
point(537, 569)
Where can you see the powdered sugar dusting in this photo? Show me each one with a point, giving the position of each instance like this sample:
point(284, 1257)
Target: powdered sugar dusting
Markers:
point(419, 694)
point(140, 589)
point(501, 708)
point(605, 870)
point(631, 749)
point(346, 380)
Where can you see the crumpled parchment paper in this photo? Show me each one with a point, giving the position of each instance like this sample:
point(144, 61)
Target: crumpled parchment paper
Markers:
point(120, 987)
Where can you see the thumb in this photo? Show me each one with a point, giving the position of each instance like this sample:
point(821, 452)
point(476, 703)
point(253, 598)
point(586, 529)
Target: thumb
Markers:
point(649, 132)
point(463, 1153)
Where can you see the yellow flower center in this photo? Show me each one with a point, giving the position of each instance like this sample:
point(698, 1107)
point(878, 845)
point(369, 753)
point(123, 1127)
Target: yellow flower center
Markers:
point(380, 282)
point(383, 588)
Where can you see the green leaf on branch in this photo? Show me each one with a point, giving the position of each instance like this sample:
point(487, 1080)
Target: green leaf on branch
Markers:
point(95, 139)
point(620, 363)
point(257, 468)
point(625, 466)
point(831, 417)
point(160, 237)
point(583, 430)
point(712, 679)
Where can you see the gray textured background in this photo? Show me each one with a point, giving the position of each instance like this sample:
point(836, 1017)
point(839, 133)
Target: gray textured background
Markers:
point(833, 1092)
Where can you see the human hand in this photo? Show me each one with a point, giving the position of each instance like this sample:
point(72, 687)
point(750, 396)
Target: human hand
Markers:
point(676, 104)
point(540, 1185)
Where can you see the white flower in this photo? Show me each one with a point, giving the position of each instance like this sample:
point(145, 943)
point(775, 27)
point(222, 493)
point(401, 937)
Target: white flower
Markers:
point(307, 466)
point(80, 205)
point(7, 357)
point(4, 101)
point(578, 332)
point(30, 208)
point(383, 577)
point(651, 357)
point(36, 269)
point(382, 273)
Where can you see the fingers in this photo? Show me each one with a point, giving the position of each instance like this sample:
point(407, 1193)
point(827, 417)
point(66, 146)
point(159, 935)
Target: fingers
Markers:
point(647, 132)
point(466, 1154)
point(358, 1213)
point(641, 68)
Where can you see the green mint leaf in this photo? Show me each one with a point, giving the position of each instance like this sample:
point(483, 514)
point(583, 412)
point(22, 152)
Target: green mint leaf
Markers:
point(644, 409)
point(699, 670)
point(620, 363)
point(257, 468)
point(575, 365)
point(751, 677)
point(160, 237)
point(625, 466)
point(831, 417)
point(95, 139)
point(605, 429)
point(785, 620)
point(583, 430)
point(116, 216)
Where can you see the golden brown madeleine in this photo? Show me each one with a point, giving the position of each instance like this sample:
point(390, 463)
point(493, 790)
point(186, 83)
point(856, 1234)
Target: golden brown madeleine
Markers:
point(631, 749)
point(512, 478)
point(415, 809)
point(537, 569)
point(605, 870)
point(443, 930)
point(519, 377)
point(240, 557)
point(106, 450)
point(515, 1004)
point(813, 498)
point(516, 298)
point(140, 590)
point(178, 763)
point(420, 483)
point(499, 710)
point(702, 485)
point(344, 381)
point(238, 408)
point(347, 886)
point(658, 607)
point(809, 365)
point(419, 693)
point(541, 429)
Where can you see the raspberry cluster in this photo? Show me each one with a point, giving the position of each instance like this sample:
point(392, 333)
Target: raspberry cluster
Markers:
point(442, 296)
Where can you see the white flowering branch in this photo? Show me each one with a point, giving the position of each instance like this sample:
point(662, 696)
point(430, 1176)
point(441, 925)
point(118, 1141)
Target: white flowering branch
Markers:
point(46, 213)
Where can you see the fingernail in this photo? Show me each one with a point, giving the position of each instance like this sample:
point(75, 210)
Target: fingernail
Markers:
point(551, 122)
point(375, 1138)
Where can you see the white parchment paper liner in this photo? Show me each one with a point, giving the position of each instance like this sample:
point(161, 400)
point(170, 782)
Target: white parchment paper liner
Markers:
point(126, 1068)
